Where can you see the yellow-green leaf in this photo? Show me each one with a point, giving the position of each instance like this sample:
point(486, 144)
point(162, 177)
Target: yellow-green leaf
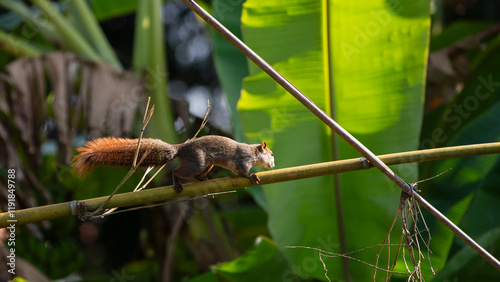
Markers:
point(364, 63)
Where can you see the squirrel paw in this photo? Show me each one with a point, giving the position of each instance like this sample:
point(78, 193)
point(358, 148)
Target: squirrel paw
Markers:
point(255, 179)
point(178, 188)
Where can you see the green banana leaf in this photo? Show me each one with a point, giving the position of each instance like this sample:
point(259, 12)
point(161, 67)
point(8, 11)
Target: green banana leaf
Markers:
point(469, 196)
point(464, 259)
point(263, 262)
point(362, 62)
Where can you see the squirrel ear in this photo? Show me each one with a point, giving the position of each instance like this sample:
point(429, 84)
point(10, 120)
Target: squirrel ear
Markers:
point(263, 145)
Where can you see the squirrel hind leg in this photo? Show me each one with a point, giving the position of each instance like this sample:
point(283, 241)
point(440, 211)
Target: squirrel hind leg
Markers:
point(203, 175)
point(188, 171)
point(177, 183)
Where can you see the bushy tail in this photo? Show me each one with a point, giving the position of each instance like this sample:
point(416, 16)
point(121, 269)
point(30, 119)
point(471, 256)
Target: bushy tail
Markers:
point(120, 152)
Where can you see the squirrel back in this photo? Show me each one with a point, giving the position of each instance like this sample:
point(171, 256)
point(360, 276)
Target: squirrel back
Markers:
point(112, 151)
point(196, 157)
point(225, 152)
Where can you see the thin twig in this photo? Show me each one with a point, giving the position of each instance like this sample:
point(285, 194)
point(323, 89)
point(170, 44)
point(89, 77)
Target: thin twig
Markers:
point(154, 175)
point(168, 202)
point(145, 121)
point(346, 255)
point(387, 239)
point(414, 184)
point(324, 267)
point(409, 241)
point(204, 122)
point(148, 170)
point(414, 210)
point(95, 214)
point(400, 246)
point(358, 146)
point(135, 165)
point(427, 245)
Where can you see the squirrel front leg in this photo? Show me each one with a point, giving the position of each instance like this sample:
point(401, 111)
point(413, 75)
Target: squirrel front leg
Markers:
point(245, 171)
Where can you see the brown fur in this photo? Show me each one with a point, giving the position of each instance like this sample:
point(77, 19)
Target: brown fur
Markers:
point(197, 157)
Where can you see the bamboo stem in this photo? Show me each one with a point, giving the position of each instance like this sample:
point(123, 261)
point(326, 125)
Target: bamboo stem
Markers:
point(153, 195)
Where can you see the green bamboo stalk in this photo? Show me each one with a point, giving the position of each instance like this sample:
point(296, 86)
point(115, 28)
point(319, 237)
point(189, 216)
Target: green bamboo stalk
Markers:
point(17, 46)
point(26, 15)
point(142, 34)
point(82, 13)
point(71, 37)
point(150, 64)
point(153, 195)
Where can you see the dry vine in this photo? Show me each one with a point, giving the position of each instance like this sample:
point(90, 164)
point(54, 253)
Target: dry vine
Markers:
point(82, 211)
point(410, 242)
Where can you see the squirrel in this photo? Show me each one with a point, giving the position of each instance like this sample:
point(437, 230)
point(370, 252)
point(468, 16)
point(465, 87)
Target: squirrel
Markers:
point(196, 157)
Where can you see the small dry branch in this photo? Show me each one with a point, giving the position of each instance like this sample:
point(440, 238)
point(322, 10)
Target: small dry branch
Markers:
point(83, 213)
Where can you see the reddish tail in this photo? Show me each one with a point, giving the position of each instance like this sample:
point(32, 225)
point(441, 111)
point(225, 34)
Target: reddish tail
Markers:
point(120, 152)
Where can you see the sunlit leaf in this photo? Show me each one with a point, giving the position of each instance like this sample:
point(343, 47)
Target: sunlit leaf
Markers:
point(362, 62)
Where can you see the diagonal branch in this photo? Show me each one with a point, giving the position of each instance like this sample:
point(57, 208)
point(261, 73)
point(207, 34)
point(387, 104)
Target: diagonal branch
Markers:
point(351, 140)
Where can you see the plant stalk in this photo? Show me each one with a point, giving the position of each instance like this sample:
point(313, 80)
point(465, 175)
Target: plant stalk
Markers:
point(152, 195)
point(71, 37)
point(17, 46)
point(82, 12)
point(351, 140)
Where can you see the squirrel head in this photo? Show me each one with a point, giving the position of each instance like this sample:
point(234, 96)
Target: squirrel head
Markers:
point(265, 156)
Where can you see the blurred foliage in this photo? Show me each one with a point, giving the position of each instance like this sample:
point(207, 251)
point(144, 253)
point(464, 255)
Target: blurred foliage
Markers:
point(58, 255)
point(263, 262)
point(231, 238)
